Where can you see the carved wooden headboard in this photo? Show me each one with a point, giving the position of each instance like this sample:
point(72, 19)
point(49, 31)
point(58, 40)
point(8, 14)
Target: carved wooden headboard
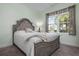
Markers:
point(22, 24)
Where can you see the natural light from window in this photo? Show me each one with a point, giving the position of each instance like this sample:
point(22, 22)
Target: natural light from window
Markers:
point(59, 22)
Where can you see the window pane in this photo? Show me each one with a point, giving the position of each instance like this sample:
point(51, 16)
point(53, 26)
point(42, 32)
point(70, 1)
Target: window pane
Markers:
point(64, 22)
point(52, 23)
point(59, 22)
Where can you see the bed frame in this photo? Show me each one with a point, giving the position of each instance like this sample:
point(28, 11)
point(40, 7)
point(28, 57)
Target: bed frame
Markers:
point(41, 48)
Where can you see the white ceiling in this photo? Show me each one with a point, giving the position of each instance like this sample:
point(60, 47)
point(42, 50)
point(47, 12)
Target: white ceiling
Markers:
point(39, 6)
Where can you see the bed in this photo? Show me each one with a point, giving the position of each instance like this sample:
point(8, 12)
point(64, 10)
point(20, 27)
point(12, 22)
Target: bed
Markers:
point(34, 46)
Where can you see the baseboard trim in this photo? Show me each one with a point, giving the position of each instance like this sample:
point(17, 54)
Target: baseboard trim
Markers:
point(5, 45)
point(70, 45)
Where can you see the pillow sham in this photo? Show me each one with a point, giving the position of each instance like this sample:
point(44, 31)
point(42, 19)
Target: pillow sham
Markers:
point(28, 30)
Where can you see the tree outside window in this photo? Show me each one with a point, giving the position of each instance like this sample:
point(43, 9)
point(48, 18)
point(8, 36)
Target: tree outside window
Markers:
point(59, 22)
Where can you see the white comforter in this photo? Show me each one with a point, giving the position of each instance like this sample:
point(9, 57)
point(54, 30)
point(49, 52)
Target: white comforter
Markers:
point(20, 39)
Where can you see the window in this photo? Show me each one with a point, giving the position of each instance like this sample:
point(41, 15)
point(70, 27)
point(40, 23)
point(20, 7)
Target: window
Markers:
point(59, 22)
point(52, 24)
point(62, 21)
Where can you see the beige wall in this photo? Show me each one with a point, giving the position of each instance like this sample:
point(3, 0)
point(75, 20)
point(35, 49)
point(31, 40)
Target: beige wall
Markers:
point(9, 13)
point(65, 38)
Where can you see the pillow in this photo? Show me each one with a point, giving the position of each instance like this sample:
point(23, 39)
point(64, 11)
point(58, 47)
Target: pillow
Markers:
point(28, 30)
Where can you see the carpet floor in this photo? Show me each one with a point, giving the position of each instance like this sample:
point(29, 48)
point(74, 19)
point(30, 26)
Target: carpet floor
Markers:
point(64, 50)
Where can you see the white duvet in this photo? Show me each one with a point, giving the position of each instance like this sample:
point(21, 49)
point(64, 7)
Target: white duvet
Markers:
point(27, 46)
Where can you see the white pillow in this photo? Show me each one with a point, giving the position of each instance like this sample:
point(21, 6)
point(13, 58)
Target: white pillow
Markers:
point(28, 30)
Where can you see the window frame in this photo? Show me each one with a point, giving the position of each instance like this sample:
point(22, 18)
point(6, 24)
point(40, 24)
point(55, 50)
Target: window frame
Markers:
point(61, 11)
